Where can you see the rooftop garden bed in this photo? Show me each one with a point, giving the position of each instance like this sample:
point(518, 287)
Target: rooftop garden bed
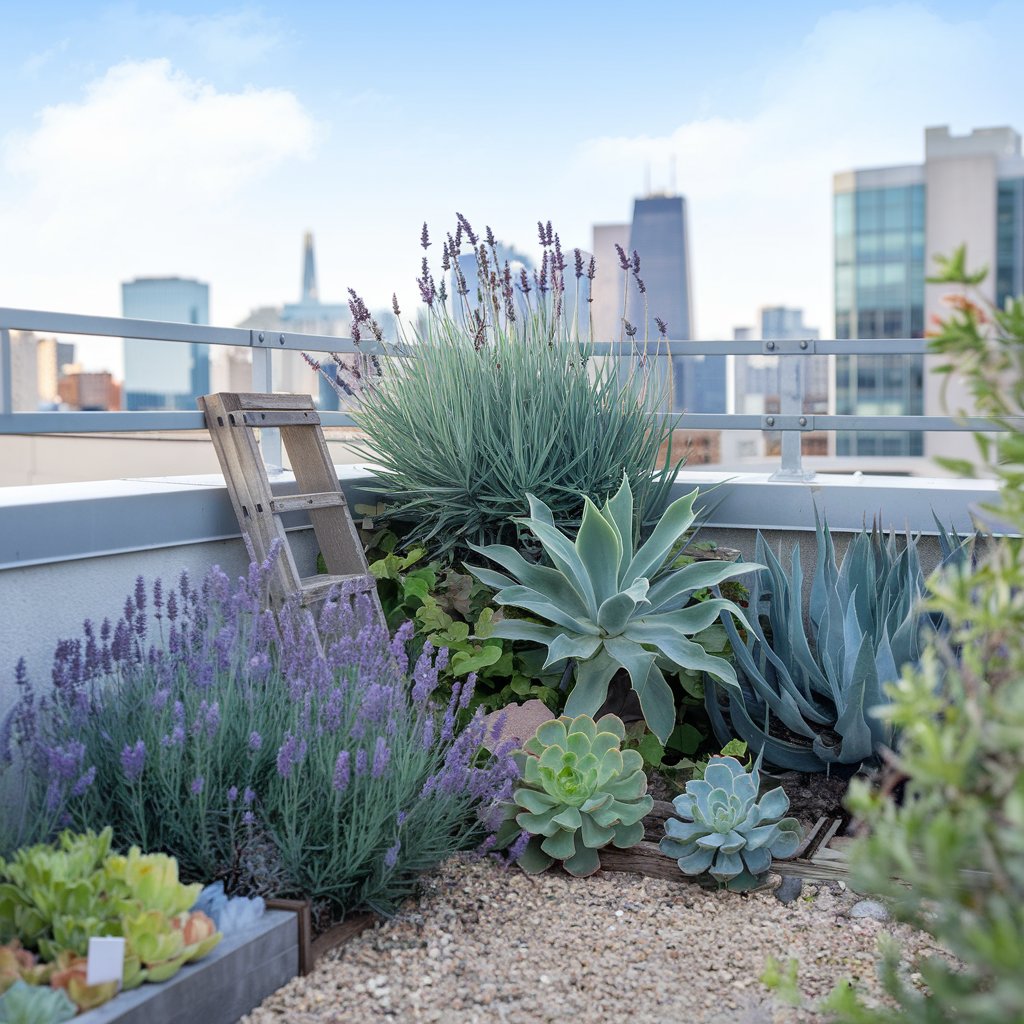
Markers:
point(568, 685)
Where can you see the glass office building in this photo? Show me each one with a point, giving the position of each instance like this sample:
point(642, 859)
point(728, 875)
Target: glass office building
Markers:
point(888, 224)
point(160, 374)
point(879, 294)
point(660, 234)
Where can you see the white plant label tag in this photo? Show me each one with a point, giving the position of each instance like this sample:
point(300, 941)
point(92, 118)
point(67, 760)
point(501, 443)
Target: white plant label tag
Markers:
point(105, 961)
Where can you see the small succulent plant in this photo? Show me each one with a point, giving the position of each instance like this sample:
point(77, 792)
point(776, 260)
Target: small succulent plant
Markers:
point(579, 792)
point(35, 1004)
point(726, 831)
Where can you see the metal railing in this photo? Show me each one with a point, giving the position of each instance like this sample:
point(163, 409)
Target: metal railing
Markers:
point(791, 421)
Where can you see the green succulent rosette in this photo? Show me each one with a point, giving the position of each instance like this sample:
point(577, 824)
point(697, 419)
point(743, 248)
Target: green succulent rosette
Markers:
point(579, 792)
point(726, 831)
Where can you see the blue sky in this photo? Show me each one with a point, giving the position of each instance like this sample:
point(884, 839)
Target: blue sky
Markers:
point(202, 140)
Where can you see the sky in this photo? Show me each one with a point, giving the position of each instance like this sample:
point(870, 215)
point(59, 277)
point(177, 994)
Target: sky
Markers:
point(201, 140)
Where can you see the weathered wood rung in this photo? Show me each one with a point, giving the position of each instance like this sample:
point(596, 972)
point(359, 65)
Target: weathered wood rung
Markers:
point(277, 418)
point(316, 588)
point(299, 502)
point(269, 401)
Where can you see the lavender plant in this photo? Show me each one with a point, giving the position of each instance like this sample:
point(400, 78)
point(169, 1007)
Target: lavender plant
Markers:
point(494, 394)
point(203, 726)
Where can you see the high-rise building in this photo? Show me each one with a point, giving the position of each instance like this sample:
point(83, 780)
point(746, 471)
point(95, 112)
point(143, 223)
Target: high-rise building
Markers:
point(757, 380)
point(51, 358)
point(307, 316)
point(660, 235)
point(468, 265)
point(609, 281)
point(24, 372)
point(888, 222)
point(159, 374)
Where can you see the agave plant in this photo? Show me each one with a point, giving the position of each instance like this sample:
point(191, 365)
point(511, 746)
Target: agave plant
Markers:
point(610, 607)
point(579, 792)
point(725, 830)
point(805, 699)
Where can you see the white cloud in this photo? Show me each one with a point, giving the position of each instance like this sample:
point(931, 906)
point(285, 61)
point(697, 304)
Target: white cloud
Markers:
point(147, 135)
point(858, 91)
point(149, 172)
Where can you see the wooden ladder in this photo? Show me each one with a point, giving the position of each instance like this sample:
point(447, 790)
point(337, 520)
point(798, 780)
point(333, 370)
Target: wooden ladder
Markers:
point(232, 420)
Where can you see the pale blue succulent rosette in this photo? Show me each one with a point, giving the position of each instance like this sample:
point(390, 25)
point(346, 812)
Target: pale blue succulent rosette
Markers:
point(726, 831)
point(580, 792)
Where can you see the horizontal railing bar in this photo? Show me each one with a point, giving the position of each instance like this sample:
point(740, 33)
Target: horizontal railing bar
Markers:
point(116, 422)
point(98, 422)
point(122, 422)
point(118, 327)
point(158, 330)
point(190, 334)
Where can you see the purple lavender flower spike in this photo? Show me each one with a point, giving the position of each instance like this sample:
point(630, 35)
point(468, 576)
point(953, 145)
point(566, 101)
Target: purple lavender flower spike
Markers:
point(623, 258)
point(232, 794)
point(394, 305)
point(391, 857)
point(84, 782)
point(133, 760)
point(381, 757)
point(362, 761)
point(341, 772)
point(248, 796)
point(470, 233)
point(197, 785)
point(425, 237)
point(662, 326)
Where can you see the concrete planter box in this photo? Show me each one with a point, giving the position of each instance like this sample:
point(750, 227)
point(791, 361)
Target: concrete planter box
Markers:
point(225, 985)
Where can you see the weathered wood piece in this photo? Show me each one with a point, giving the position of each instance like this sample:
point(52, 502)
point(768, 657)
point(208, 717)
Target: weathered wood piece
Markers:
point(337, 936)
point(232, 420)
point(643, 859)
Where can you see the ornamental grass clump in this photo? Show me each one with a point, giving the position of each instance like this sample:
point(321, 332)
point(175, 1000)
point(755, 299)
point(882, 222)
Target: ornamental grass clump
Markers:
point(494, 393)
point(203, 726)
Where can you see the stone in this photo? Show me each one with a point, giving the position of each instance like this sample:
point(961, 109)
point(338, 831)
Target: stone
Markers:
point(521, 722)
point(789, 889)
point(870, 909)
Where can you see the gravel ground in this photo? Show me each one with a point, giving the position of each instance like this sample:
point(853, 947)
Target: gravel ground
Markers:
point(482, 944)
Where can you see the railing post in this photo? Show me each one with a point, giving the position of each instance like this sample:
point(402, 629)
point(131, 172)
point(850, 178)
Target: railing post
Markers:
point(6, 382)
point(263, 383)
point(791, 401)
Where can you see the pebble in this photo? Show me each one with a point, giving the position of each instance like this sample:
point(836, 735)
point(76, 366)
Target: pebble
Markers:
point(789, 889)
point(870, 909)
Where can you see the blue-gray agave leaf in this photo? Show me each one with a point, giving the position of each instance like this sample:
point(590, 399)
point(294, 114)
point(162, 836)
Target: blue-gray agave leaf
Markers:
point(724, 830)
point(805, 698)
point(611, 605)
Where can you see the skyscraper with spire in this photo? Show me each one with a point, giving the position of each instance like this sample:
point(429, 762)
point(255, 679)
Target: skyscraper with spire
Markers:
point(307, 316)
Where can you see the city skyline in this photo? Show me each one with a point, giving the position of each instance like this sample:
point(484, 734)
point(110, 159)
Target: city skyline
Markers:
point(145, 141)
